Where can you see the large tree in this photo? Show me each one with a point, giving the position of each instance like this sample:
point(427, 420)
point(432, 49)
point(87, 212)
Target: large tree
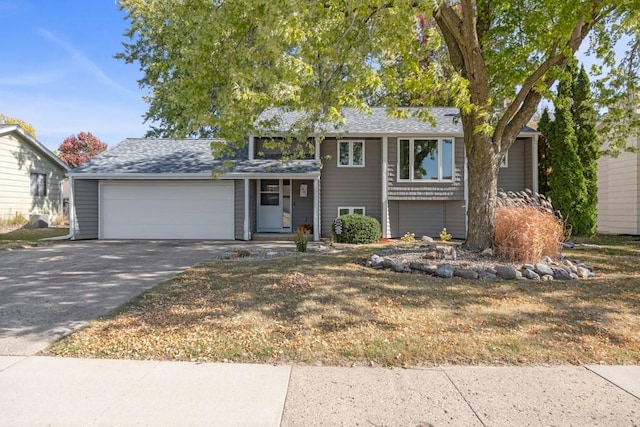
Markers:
point(28, 127)
point(219, 64)
point(78, 149)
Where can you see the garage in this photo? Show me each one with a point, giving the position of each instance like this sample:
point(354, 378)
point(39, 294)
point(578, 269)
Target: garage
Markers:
point(166, 210)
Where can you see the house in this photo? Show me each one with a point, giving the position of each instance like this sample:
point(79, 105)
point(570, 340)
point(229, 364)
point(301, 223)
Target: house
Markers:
point(407, 173)
point(619, 192)
point(31, 176)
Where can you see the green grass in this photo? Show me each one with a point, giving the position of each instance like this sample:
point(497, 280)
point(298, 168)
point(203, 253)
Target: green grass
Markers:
point(29, 237)
point(331, 309)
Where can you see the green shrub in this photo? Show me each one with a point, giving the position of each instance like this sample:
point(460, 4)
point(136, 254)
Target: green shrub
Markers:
point(356, 228)
point(302, 239)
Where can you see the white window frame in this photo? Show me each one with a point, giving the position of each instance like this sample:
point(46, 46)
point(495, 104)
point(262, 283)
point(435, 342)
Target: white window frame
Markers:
point(412, 154)
point(351, 209)
point(504, 163)
point(351, 143)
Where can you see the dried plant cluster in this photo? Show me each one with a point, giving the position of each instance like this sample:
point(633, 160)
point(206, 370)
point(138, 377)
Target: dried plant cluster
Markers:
point(527, 227)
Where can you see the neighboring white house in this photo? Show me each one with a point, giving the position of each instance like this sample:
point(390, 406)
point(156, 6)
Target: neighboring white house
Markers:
point(31, 176)
point(619, 193)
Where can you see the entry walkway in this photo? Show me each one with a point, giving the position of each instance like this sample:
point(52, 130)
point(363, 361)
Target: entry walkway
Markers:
point(37, 391)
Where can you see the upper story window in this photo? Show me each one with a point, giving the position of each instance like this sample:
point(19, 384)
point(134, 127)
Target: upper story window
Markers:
point(425, 159)
point(350, 153)
point(38, 185)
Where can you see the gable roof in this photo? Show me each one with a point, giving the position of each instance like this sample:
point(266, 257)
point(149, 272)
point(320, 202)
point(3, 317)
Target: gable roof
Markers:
point(6, 129)
point(184, 156)
point(357, 122)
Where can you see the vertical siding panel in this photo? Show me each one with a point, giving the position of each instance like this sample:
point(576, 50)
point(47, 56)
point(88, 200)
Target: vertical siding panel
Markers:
point(421, 217)
point(302, 209)
point(238, 201)
point(350, 186)
point(511, 178)
point(86, 208)
point(455, 219)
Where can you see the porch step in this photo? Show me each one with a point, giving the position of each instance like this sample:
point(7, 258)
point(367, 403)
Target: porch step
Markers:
point(272, 237)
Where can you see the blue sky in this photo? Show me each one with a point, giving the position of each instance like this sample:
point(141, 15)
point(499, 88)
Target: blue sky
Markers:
point(58, 71)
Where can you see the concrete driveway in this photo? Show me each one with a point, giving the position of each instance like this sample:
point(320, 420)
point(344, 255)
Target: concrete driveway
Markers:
point(48, 292)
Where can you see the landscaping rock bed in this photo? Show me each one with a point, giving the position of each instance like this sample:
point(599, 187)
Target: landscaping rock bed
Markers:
point(450, 260)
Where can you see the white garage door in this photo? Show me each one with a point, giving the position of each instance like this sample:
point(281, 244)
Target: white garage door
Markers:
point(180, 210)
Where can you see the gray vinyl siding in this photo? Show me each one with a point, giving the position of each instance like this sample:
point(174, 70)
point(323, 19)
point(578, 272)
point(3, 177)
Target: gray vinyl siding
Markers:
point(427, 218)
point(18, 159)
point(252, 205)
point(238, 201)
point(402, 190)
point(86, 208)
point(302, 209)
point(350, 186)
point(528, 164)
point(512, 178)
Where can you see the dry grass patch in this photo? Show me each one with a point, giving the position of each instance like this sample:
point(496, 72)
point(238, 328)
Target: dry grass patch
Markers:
point(28, 237)
point(330, 309)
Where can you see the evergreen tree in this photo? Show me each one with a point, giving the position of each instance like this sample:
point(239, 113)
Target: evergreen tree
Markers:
point(568, 191)
point(584, 117)
point(545, 126)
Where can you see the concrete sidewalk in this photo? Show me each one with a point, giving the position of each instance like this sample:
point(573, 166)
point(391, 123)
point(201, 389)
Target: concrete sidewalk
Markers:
point(37, 391)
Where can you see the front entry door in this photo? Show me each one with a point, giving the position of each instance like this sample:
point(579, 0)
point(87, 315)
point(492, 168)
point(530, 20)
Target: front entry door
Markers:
point(274, 205)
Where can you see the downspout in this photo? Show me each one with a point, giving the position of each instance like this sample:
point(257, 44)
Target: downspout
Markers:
point(534, 165)
point(316, 209)
point(247, 233)
point(386, 229)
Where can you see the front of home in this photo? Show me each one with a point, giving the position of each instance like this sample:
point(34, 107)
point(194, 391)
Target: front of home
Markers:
point(31, 176)
point(408, 174)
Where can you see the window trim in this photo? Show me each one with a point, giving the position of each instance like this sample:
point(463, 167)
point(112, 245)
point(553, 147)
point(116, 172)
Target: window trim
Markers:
point(504, 162)
point(351, 143)
point(37, 175)
point(412, 154)
point(351, 209)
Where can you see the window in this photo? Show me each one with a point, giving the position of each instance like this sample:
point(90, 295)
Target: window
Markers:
point(350, 153)
point(504, 163)
point(425, 159)
point(345, 210)
point(38, 184)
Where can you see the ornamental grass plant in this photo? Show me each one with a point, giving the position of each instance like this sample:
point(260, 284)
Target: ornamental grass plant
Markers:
point(527, 227)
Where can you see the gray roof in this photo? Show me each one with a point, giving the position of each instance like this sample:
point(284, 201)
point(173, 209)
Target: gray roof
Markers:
point(447, 121)
point(184, 156)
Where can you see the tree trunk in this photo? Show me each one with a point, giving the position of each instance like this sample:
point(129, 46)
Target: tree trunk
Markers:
point(483, 160)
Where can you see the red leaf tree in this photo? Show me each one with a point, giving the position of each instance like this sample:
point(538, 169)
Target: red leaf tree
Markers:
point(78, 149)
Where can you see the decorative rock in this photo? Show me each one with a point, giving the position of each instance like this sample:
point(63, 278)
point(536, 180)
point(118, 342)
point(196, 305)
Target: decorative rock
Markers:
point(398, 267)
point(426, 239)
point(376, 261)
point(430, 269)
point(568, 245)
point(543, 269)
point(574, 276)
point(491, 270)
point(465, 273)
point(445, 271)
point(561, 274)
point(507, 272)
point(417, 266)
point(272, 253)
point(528, 266)
point(567, 263)
point(546, 277)
point(583, 273)
point(487, 275)
point(547, 260)
point(530, 274)
point(487, 253)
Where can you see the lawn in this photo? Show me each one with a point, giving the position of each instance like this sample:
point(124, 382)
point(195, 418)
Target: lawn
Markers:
point(330, 309)
point(29, 237)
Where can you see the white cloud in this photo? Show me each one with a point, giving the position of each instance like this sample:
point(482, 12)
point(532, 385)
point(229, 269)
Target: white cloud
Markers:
point(86, 64)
